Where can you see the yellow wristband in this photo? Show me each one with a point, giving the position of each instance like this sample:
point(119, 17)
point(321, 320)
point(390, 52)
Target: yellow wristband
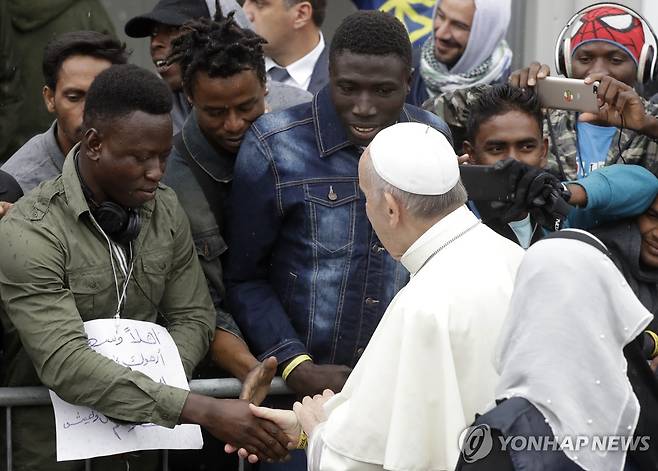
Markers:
point(303, 441)
point(655, 342)
point(298, 360)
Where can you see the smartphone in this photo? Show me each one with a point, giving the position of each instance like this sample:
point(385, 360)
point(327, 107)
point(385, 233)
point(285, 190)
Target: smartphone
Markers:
point(567, 94)
point(484, 183)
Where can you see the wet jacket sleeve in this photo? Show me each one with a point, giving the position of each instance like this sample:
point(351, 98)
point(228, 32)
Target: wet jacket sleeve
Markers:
point(44, 313)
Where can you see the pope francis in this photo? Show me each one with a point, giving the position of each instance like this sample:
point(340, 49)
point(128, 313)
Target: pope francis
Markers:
point(428, 368)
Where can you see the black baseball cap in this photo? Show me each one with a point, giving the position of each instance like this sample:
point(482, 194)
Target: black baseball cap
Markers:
point(168, 12)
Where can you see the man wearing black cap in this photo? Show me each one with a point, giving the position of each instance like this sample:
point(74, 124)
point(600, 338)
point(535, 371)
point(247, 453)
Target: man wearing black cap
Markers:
point(163, 24)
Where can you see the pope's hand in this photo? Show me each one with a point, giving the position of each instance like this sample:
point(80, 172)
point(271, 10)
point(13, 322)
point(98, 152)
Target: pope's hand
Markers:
point(256, 384)
point(286, 420)
point(310, 412)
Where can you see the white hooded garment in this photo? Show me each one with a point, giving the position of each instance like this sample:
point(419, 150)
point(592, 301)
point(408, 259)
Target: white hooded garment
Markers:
point(570, 317)
point(428, 368)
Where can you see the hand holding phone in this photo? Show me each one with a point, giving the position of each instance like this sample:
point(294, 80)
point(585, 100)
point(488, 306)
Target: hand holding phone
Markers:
point(568, 94)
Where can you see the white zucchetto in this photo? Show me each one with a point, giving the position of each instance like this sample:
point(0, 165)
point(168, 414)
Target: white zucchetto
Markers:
point(415, 158)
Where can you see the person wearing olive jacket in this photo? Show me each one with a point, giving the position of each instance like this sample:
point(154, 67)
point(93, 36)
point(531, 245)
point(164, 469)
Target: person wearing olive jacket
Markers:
point(107, 225)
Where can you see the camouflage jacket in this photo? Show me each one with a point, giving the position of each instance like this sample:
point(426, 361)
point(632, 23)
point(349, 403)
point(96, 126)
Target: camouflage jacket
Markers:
point(632, 148)
point(560, 128)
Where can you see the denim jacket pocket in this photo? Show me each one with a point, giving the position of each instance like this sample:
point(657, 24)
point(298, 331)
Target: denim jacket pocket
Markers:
point(332, 210)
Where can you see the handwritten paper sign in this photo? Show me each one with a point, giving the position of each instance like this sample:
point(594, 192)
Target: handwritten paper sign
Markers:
point(141, 346)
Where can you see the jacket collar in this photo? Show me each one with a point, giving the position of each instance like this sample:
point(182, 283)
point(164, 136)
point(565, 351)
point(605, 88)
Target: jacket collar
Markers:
point(218, 165)
point(329, 129)
point(439, 235)
point(73, 187)
point(52, 147)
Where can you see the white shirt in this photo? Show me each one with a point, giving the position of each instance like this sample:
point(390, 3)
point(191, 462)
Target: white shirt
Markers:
point(301, 70)
point(428, 367)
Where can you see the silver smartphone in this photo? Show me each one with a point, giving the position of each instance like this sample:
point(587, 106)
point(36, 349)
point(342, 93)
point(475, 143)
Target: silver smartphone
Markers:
point(567, 94)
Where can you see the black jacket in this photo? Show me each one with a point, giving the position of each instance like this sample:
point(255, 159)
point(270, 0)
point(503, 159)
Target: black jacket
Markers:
point(624, 240)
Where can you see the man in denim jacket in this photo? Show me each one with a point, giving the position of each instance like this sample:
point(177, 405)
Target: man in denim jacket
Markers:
point(307, 278)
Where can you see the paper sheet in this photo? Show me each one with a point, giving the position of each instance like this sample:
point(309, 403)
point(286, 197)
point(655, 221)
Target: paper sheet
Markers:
point(142, 346)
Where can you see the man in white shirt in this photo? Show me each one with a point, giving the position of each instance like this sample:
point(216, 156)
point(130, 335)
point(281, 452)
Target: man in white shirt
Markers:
point(427, 369)
point(295, 49)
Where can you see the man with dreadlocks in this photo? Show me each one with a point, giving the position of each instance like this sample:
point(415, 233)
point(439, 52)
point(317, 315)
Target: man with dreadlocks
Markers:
point(223, 76)
point(164, 23)
point(614, 45)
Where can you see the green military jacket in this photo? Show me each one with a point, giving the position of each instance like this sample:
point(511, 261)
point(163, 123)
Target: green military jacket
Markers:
point(55, 273)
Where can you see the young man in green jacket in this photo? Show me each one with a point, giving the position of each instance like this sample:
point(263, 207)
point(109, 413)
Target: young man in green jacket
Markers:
point(108, 226)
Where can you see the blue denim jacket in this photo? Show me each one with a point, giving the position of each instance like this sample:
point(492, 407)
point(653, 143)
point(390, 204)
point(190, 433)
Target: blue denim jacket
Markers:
point(306, 272)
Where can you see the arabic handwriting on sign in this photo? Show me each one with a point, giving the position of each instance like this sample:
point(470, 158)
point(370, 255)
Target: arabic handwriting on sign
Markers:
point(94, 342)
point(150, 338)
point(92, 418)
point(142, 360)
point(117, 429)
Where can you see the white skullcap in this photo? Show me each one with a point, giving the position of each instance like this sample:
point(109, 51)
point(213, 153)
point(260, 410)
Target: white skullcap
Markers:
point(416, 158)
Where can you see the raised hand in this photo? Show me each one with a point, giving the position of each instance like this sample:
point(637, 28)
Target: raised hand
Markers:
point(620, 105)
point(256, 384)
point(528, 76)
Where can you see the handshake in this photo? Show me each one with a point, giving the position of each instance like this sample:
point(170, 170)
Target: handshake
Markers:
point(296, 425)
point(259, 433)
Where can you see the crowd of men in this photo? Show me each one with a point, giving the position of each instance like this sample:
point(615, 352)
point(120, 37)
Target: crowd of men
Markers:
point(284, 205)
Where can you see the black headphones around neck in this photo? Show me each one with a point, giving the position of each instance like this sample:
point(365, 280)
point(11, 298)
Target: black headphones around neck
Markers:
point(119, 224)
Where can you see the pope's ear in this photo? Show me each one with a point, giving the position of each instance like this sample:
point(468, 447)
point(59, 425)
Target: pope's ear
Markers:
point(393, 209)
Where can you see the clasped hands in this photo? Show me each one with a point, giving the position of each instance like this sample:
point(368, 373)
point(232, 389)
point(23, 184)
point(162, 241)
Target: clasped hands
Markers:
point(304, 417)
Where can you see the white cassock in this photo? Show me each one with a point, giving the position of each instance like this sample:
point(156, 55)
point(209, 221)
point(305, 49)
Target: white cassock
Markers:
point(429, 365)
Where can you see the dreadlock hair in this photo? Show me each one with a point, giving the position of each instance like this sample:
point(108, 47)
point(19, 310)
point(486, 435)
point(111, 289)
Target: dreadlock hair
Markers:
point(219, 47)
point(371, 32)
point(121, 90)
point(83, 43)
point(501, 99)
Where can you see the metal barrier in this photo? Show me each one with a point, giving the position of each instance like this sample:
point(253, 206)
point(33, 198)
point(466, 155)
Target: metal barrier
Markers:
point(39, 396)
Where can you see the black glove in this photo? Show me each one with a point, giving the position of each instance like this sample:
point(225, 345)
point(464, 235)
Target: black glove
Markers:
point(535, 191)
